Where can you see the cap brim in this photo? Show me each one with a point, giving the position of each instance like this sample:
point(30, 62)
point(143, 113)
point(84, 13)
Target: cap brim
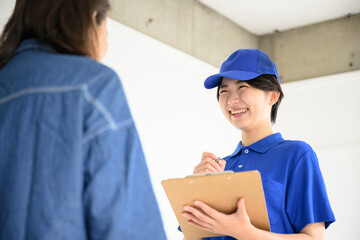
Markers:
point(213, 80)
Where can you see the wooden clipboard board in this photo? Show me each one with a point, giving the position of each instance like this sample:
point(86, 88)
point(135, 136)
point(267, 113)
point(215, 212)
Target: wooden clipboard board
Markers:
point(220, 191)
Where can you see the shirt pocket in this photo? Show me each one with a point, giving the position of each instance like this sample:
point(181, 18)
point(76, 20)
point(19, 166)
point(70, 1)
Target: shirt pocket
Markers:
point(273, 197)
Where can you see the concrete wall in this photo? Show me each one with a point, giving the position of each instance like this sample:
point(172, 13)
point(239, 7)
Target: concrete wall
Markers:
point(188, 25)
point(321, 49)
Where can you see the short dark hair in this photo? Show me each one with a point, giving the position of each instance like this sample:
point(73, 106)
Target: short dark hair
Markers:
point(67, 25)
point(266, 82)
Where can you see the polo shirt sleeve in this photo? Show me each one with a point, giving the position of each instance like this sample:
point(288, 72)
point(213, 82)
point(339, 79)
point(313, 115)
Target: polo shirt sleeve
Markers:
point(306, 196)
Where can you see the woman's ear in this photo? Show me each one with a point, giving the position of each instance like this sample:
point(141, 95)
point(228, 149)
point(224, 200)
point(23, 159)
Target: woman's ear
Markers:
point(274, 97)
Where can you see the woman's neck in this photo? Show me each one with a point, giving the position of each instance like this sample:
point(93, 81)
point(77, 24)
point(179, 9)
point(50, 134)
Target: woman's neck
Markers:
point(251, 136)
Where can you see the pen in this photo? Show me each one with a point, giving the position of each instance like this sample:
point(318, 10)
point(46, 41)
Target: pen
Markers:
point(217, 160)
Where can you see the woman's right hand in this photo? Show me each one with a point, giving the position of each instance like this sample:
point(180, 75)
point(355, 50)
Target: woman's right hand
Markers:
point(208, 164)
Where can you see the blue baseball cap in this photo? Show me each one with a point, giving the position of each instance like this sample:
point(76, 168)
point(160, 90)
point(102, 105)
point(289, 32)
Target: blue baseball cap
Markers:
point(243, 64)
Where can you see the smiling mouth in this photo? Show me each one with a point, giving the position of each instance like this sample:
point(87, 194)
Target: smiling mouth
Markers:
point(239, 111)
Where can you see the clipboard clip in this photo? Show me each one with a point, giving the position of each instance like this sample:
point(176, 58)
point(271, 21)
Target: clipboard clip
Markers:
point(209, 174)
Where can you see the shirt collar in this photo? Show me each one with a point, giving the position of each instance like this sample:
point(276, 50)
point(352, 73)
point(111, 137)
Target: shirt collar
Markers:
point(34, 44)
point(262, 145)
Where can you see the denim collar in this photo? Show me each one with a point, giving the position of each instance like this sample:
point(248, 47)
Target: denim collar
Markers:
point(34, 44)
point(262, 145)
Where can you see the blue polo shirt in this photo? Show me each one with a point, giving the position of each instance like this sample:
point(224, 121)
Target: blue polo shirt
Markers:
point(294, 188)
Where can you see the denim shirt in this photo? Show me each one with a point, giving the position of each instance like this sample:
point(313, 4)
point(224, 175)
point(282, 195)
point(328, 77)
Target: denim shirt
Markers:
point(71, 163)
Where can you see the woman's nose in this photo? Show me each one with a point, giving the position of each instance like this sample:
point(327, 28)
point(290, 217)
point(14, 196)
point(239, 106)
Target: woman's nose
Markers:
point(233, 99)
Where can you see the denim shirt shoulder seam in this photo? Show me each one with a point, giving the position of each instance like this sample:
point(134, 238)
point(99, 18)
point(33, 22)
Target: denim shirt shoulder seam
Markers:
point(101, 108)
point(104, 128)
point(98, 105)
point(39, 90)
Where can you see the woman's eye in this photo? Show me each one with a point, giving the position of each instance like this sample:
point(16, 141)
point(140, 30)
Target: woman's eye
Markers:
point(241, 87)
point(223, 91)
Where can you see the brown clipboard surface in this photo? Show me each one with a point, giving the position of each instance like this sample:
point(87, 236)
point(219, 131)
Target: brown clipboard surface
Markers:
point(221, 192)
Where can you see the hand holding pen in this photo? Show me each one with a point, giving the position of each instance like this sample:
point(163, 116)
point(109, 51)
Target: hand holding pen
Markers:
point(210, 163)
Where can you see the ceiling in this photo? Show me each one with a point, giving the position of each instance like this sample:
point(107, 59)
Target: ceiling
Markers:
point(266, 16)
point(262, 16)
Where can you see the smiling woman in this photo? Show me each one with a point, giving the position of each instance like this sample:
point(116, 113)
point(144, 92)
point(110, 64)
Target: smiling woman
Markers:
point(237, 98)
point(265, 82)
point(249, 95)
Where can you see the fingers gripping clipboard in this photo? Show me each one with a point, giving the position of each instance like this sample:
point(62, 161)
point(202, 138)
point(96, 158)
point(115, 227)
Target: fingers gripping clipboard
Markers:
point(220, 191)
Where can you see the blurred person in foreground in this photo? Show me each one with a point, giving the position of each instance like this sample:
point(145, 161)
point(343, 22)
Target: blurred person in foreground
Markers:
point(71, 163)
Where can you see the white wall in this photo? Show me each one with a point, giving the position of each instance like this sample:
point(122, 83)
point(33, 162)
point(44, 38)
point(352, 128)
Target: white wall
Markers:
point(178, 119)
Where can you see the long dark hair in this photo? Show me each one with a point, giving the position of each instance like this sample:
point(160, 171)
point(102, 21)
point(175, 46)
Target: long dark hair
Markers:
point(266, 82)
point(67, 25)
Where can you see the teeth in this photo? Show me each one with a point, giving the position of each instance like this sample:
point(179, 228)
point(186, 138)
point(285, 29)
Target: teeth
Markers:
point(238, 111)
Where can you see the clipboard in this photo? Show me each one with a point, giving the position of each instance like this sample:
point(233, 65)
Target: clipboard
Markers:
point(219, 191)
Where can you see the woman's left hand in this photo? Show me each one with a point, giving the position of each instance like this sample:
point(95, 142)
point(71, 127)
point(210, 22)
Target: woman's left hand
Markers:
point(237, 224)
